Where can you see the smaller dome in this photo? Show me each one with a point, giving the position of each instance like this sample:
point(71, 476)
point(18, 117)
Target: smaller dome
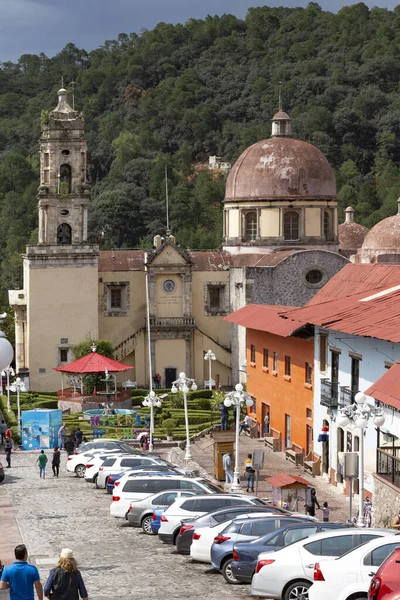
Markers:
point(351, 235)
point(281, 116)
point(385, 235)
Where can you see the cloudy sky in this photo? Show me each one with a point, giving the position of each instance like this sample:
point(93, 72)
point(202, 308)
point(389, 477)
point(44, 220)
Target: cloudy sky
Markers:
point(34, 26)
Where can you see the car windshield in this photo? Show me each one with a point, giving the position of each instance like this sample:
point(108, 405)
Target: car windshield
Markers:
point(210, 486)
point(125, 447)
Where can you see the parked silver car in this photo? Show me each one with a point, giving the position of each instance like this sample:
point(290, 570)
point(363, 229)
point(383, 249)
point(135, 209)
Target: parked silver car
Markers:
point(141, 511)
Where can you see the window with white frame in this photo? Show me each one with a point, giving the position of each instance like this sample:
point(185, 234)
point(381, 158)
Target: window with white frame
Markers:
point(116, 299)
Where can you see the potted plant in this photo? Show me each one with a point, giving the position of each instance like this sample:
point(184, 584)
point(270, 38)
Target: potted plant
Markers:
point(169, 427)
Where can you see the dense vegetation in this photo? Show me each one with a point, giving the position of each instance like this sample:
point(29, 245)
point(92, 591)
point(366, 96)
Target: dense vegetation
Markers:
point(176, 94)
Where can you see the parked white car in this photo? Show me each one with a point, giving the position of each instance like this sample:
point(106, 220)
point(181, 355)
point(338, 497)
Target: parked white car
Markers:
point(288, 573)
point(76, 463)
point(349, 576)
point(114, 465)
point(141, 486)
point(94, 463)
point(203, 538)
point(184, 508)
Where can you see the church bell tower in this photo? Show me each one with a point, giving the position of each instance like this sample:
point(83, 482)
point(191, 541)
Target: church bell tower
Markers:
point(58, 306)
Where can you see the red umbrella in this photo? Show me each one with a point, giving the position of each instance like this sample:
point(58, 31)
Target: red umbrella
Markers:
point(93, 363)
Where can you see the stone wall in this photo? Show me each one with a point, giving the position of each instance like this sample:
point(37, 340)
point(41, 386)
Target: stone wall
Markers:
point(386, 502)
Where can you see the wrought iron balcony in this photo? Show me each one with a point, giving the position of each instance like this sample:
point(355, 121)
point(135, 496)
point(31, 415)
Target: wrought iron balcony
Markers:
point(329, 393)
point(346, 397)
point(172, 322)
point(388, 465)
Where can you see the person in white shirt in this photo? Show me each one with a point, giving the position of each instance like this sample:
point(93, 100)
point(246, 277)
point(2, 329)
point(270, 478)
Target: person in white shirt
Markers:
point(245, 424)
point(227, 466)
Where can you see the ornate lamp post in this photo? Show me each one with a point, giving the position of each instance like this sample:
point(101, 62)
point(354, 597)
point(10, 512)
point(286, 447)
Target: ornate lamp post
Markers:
point(236, 399)
point(6, 356)
point(210, 356)
point(152, 401)
point(18, 386)
point(8, 372)
point(358, 414)
point(182, 384)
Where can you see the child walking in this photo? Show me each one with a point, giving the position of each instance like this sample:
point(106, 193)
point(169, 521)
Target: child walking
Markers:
point(42, 460)
point(325, 512)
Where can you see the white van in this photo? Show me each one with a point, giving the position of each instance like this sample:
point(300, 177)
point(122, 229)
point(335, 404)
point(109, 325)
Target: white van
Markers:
point(136, 488)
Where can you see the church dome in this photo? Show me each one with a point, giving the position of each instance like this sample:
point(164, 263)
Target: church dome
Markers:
point(281, 168)
point(385, 235)
point(351, 234)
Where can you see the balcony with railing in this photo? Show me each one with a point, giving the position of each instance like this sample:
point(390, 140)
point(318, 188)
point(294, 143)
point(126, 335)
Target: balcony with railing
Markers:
point(388, 465)
point(329, 393)
point(172, 322)
point(346, 397)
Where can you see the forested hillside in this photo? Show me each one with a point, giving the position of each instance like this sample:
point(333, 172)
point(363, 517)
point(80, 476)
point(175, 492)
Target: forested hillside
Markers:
point(176, 94)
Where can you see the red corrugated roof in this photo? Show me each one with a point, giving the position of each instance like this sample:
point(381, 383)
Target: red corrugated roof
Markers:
point(372, 314)
point(93, 363)
point(387, 388)
point(283, 479)
point(264, 317)
point(354, 279)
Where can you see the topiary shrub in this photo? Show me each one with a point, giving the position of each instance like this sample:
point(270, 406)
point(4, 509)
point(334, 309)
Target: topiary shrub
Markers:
point(169, 426)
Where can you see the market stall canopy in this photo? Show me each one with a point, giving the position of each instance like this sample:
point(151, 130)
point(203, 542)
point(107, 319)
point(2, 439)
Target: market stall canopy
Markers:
point(93, 363)
point(281, 480)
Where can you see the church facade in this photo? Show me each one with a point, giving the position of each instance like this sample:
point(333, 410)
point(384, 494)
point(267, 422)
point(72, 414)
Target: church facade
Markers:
point(280, 246)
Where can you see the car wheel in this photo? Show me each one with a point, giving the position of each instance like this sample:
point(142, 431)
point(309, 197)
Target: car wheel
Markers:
point(146, 525)
point(227, 572)
point(297, 591)
point(80, 470)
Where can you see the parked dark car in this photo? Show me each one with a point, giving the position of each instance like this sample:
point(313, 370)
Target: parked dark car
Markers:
point(1, 473)
point(385, 584)
point(245, 554)
point(185, 536)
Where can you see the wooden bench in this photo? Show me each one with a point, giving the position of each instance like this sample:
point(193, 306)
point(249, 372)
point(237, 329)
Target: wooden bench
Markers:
point(295, 454)
point(273, 440)
point(312, 463)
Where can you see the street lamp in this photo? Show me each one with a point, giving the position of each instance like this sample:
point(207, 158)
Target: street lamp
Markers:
point(182, 384)
point(236, 399)
point(358, 414)
point(18, 386)
point(8, 372)
point(6, 356)
point(210, 356)
point(152, 401)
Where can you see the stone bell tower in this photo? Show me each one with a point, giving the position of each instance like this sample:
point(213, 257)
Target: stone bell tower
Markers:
point(58, 306)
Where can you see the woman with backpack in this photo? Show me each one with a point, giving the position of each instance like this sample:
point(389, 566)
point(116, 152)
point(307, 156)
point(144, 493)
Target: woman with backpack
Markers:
point(65, 580)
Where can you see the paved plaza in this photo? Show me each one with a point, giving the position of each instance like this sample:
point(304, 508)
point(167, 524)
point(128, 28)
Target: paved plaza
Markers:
point(115, 559)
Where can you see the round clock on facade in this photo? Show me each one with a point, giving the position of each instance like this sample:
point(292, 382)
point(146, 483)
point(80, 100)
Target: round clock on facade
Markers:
point(169, 285)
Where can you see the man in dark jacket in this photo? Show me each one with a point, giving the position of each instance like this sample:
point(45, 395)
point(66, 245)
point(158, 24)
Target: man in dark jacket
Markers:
point(78, 437)
point(55, 462)
point(7, 450)
point(69, 445)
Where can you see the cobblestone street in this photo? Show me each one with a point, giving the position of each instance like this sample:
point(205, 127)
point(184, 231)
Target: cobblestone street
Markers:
point(116, 561)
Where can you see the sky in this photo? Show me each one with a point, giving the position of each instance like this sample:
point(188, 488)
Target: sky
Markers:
point(35, 26)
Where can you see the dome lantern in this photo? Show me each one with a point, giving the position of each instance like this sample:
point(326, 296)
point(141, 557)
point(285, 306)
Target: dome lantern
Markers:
point(281, 124)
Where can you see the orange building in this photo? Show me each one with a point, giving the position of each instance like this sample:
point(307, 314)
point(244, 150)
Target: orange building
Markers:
point(280, 357)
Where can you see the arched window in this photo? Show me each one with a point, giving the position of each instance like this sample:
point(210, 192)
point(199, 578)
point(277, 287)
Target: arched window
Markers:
point(291, 222)
point(250, 226)
point(327, 224)
point(65, 176)
point(64, 234)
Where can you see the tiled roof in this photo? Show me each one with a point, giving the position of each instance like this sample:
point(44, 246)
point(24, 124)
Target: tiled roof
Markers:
point(387, 389)
point(283, 479)
point(210, 260)
point(266, 318)
point(262, 260)
point(133, 260)
point(353, 279)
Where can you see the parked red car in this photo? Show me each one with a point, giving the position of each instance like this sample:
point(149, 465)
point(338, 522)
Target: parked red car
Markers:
point(385, 584)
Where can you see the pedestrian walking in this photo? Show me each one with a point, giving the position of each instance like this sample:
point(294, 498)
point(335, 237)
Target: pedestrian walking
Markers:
point(158, 381)
point(62, 432)
point(227, 466)
point(3, 428)
point(325, 512)
point(78, 437)
point(55, 462)
point(245, 424)
point(155, 380)
point(69, 445)
point(7, 450)
point(249, 472)
point(65, 580)
point(42, 462)
point(9, 434)
point(311, 502)
point(21, 577)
